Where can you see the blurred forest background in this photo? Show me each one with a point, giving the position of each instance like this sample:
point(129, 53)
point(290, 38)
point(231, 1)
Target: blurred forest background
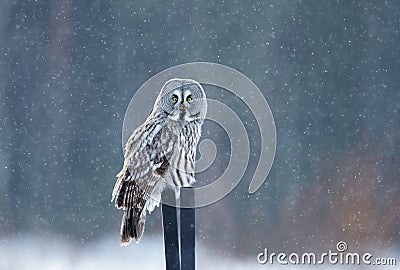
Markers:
point(329, 70)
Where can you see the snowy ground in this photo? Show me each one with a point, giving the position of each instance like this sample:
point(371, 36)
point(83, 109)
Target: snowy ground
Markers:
point(42, 253)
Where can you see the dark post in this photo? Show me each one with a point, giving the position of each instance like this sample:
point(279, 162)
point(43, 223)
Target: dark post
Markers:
point(188, 259)
point(170, 225)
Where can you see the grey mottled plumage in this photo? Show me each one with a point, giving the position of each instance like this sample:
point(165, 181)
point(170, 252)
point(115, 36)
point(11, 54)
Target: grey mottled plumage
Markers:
point(160, 153)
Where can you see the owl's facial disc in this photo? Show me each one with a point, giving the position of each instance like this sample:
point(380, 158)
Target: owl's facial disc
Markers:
point(179, 109)
point(184, 108)
point(183, 100)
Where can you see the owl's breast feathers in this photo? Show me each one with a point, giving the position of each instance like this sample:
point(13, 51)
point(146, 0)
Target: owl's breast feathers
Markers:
point(181, 159)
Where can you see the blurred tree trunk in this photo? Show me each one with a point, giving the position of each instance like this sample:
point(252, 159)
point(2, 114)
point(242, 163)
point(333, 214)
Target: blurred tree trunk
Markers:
point(58, 106)
point(22, 64)
point(36, 62)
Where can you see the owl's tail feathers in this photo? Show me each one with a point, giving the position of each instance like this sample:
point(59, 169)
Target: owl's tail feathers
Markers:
point(132, 225)
point(132, 199)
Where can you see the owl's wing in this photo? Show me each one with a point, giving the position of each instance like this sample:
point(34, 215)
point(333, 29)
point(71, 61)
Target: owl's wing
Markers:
point(140, 175)
point(145, 157)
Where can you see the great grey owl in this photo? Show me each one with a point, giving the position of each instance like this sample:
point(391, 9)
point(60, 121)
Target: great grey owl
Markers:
point(160, 153)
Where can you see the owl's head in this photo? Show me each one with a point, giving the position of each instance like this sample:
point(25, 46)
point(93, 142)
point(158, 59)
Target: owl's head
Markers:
point(183, 100)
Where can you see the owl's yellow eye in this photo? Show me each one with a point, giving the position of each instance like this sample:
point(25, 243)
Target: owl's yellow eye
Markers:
point(189, 98)
point(174, 98)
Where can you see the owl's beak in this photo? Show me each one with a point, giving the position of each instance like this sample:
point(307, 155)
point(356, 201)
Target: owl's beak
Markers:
point(182, 107)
